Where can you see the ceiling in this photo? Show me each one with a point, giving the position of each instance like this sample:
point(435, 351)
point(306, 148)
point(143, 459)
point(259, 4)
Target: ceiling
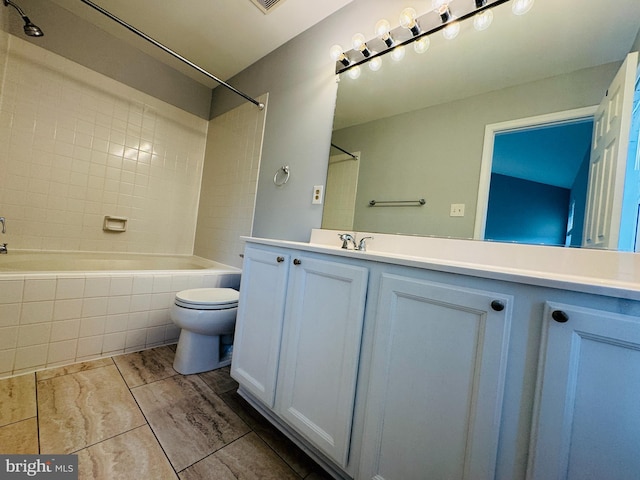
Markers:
point(551, 154)
point(222, 36)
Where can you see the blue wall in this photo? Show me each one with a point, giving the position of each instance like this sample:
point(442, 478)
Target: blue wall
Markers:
point(526, 212)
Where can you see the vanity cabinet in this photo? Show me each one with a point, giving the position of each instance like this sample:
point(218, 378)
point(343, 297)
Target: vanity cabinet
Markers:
point(297, 342)
point(435, 393)
point(384, 370)
point(320, 352)
point(258, 332)
point(586, 422)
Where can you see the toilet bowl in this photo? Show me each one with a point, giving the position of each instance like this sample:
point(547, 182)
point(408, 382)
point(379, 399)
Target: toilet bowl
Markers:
point(206, 317)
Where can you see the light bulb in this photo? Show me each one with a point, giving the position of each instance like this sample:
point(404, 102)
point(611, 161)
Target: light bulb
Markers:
point(336, 52)
point(408, 17)
point(358, 41)
point(482, 20)
point(382, 29)
point(451, 31)
point(408, 20)
point(398, 53)
point(354, 73)
point(421, 45)
point(520, 7)
point(375, 63)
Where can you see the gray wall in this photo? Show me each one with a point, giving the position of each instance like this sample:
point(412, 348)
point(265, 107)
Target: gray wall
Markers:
point(300, 80)
point(435, 153)
point(636, 44)
point(76, 39)
point(301, 84)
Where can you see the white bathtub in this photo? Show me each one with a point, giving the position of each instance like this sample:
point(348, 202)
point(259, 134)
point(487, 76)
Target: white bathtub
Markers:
point(58, 308)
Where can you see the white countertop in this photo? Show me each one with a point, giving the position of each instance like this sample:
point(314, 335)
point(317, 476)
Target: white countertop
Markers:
point(609, 273)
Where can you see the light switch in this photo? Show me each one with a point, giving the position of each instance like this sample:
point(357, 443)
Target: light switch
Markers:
point(318, 192)
point(457, 210)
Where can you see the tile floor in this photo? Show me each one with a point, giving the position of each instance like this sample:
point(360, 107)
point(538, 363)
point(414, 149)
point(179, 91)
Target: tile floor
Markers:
point(133, 416)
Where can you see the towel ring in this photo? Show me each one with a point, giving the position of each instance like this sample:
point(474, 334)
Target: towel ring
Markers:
point(282, 176)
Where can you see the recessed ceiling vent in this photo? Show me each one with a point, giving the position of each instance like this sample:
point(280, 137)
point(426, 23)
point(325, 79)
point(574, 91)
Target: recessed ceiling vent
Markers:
point(266, 6)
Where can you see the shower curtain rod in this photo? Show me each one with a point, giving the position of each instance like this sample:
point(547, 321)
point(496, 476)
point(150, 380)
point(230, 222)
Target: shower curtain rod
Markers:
point(171, 52)
point(355, 157)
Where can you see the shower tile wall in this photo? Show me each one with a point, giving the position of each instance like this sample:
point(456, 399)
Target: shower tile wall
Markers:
point(229, 182)
point(76, 146)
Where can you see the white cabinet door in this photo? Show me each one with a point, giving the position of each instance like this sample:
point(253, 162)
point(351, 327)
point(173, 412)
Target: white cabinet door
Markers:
point(437, 378)
point(587, 421)
point(321, 349)
point(259, 322)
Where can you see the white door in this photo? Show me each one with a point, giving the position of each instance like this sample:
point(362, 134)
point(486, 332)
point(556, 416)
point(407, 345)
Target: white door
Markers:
point(607, 166)
point(320, 352)
point(586, 422)
point(259, 322)
point(437, 377)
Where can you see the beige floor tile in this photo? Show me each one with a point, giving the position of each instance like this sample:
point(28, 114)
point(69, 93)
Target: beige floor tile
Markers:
point(20, 437)
point(219, 380)
point(83, 408)
point(146, 366)
point(17, 398)
point(74, 368)
point(285, 448)
point(248, 458)
point(189, 420)
point(134, 454)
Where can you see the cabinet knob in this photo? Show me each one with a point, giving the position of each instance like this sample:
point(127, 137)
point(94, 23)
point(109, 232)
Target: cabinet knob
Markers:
point(560, 316)
point(497, 305)
point(280, 259)
point(296, 261)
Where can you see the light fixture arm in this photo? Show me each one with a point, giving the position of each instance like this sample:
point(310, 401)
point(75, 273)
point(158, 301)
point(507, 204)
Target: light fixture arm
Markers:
point(170, 52)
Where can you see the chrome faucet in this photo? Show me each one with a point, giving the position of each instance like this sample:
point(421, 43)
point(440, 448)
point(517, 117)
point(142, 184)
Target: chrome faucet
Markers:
point(346, 238)
point(362, 246)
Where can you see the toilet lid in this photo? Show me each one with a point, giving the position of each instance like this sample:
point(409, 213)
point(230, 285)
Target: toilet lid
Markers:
point(208, 298)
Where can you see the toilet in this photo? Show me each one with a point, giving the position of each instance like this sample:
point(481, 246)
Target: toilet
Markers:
point(207, 318)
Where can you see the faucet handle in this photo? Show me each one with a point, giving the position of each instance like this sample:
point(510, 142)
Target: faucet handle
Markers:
point(346, 238)
point(2, 221)
point(362, 246)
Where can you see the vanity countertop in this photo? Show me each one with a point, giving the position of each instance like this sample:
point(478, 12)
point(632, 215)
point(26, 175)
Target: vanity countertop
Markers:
point(615, 274)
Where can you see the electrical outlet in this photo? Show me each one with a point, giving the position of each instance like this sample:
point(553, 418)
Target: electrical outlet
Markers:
point(318, 192)
point(457, 210)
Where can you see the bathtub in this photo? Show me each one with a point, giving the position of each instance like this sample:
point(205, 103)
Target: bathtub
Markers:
point(58, 308)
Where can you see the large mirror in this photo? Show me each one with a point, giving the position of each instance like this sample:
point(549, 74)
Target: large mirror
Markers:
point(427, 126)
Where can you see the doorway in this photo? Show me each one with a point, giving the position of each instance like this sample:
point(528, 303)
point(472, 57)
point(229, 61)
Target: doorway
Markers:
point(614, 173)
point(527, 185)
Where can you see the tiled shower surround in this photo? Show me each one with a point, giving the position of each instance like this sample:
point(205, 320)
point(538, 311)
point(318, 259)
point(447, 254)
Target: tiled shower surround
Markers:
point(76, 146)
point(57, 319)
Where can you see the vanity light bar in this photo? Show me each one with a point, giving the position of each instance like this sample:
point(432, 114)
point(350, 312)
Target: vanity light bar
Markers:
point(427, 24)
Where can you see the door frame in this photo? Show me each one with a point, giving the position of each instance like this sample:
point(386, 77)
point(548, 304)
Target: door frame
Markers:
point(490, 132)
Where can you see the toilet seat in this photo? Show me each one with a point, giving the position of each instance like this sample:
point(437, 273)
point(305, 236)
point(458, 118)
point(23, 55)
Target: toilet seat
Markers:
point(207, 298)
